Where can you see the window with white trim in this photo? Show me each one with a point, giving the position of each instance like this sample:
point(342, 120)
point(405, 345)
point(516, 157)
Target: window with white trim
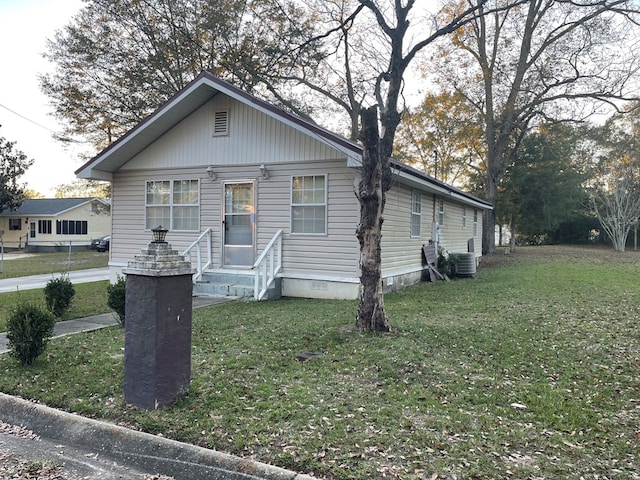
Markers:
point(464, 217)
point(440, 212)
point(309, 204)
point(475, 222)
point(416, 213)
point(174, 204)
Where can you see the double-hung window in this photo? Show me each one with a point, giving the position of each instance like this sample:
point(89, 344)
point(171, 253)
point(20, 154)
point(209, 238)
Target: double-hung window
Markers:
point(475, 222)
point(440, 212)
point(174, 204)
point(309, 204)
point(416, 213)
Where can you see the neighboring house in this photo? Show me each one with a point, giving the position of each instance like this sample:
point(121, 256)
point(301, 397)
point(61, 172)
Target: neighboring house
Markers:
point(218, 162)
point(48, 223)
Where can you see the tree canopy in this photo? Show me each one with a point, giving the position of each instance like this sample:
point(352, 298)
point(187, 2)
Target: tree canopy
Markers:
point(119, 60)
point(542, 60)
point(13, 164)
point(543, 188)
point(615, 189)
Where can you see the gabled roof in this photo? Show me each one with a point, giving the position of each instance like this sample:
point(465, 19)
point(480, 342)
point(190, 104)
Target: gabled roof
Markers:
point(205, 87)
point(48, 207)
point(198, 92)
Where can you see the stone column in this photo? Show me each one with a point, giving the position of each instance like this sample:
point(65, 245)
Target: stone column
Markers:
point(157, 346)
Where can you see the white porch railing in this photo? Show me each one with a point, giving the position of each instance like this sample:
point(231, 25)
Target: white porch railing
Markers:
point(267, 266)
point(203, 252)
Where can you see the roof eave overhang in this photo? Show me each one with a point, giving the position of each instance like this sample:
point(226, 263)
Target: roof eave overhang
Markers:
point(193, 96)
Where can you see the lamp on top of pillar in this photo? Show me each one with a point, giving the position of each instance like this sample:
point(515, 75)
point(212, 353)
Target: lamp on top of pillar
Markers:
point(159, 234)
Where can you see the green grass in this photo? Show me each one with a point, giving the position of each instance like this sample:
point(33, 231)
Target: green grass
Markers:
point(89, 299)
point(552, 329)
point(53, 263)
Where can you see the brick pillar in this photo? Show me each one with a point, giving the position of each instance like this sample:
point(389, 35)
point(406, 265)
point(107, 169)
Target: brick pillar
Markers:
point(157, 346)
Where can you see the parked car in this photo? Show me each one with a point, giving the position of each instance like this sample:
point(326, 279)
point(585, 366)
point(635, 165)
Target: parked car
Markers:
point(103, 245)
point(95, 242)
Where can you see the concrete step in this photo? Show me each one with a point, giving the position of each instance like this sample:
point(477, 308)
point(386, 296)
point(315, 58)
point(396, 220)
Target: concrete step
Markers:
point(229, 284)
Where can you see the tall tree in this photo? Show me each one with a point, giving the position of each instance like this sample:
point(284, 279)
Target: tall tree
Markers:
point(544, 186)
point(615, 192)
point(394, 23)
point(118, 60)
point(616, 203)
point(441, 137)
point(543, 59)
point(84, 188)
point(13, 164)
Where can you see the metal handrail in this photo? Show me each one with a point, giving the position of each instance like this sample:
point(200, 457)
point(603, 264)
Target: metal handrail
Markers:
point(201, 263)
point(267, 266)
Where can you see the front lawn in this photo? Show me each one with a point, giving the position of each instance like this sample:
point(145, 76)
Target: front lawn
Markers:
point(529, 371)
point(90, 299)
point(53, 263)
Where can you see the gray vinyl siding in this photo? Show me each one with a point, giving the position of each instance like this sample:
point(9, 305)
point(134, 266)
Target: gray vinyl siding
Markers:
point(185, 152)
point(401, 252)
point(254, 138)
point(332, 255)
point(453, 236)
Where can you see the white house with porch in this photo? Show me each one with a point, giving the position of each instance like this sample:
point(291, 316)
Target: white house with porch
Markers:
point(255, 195)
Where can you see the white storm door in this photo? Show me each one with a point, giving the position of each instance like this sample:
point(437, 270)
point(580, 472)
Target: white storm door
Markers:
point(238, 224)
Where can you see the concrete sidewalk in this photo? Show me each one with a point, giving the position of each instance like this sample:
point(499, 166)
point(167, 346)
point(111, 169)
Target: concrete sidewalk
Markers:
point(68, 327)
point(88, 448)
point(96, 322)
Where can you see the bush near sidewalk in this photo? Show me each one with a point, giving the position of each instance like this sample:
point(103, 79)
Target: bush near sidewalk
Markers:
point(29, 329)
point(58, 294)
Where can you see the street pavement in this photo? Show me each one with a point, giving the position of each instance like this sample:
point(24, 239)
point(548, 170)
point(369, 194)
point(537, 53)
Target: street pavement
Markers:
point(40, 281)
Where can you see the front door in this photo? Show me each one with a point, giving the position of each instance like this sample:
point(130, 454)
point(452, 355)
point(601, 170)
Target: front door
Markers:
point(238, 224)
point(32, 231)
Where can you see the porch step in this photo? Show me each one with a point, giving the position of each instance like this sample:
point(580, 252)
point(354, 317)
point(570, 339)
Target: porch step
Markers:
point(232, 285)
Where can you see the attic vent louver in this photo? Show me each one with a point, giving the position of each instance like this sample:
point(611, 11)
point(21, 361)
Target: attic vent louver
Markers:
point(220, 123)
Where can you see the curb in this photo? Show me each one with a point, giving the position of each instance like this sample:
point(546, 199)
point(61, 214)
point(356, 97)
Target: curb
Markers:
point(136, 449)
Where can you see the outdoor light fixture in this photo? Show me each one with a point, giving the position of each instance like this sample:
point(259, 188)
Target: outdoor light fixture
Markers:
point(264, 171)
point(159, 234)
point(211, 173)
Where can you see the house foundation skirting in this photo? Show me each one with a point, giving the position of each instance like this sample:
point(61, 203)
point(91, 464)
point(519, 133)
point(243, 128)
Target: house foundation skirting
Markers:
point(325, 287)
point(398, 281)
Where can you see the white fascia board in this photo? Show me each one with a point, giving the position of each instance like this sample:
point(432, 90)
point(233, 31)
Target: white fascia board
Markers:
point(90, 173)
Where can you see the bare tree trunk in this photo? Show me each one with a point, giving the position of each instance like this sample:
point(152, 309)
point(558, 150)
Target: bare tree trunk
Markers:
point(512, 240)
point(371, 312)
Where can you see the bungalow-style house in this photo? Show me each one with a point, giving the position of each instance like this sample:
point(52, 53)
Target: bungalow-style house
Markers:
point(249, 190)
point(44, 224)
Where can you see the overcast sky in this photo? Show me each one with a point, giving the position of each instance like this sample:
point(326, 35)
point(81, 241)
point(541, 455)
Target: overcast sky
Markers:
point(24, 27)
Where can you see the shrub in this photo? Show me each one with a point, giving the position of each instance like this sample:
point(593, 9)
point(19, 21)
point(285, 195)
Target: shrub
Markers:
point(446, 262)
point(116, 297)
point(29, 329)
point(58, 293)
